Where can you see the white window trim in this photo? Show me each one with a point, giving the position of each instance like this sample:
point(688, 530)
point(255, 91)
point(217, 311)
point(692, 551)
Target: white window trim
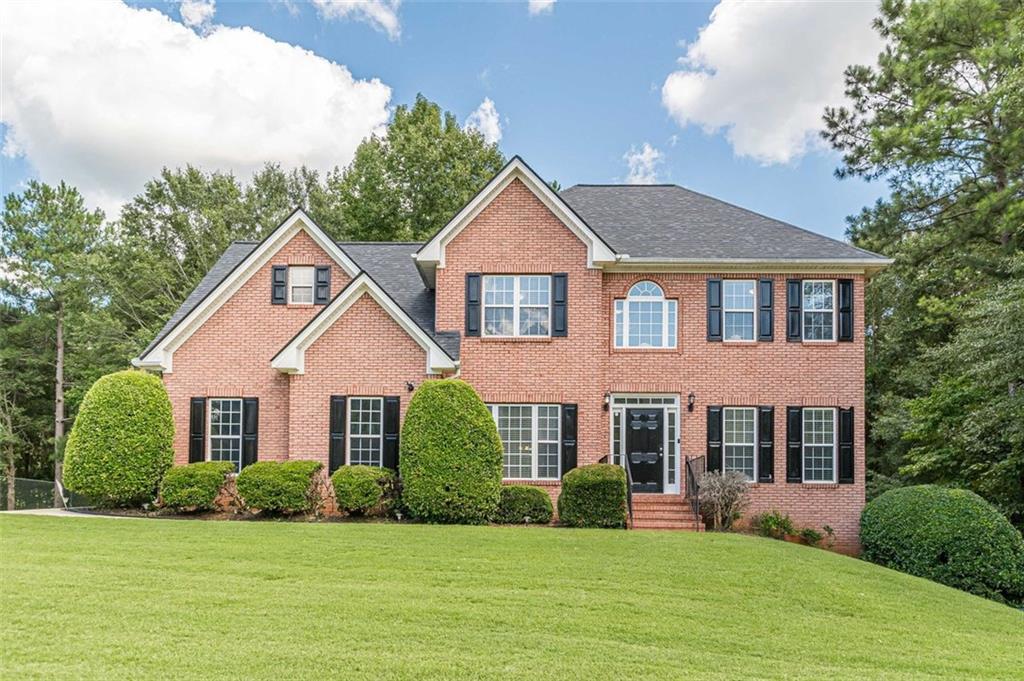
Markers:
point(753, 410)
point(534, 439)
point(752, 311)
point(208, 455)
point(665, 326)
point(515, 307)
point(804, 445)
point(803, 299)
point(348, 429)
point(312, 284)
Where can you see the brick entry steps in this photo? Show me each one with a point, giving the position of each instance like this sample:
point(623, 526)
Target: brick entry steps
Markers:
point(664, 512)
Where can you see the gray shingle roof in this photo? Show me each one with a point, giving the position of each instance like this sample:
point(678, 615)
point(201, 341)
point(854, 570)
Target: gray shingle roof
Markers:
point(670, 222)
point(389, 264)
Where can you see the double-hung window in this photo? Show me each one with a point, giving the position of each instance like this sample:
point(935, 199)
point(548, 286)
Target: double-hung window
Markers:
point(300, 285)
point(365, 431)
point(226, 430)
point(819, 310)
point(517, 305)
point(740, 438)
point(530, 437)
point(645, 319)
point(739, 309)
point(819, 444)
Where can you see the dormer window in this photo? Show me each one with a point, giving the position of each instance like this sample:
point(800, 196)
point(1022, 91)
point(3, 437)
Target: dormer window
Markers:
point(300, 285)
point(645, 319)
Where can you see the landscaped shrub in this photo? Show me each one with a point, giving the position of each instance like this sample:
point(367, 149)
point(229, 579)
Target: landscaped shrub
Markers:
point(363, 490)
point(194, 487)
point(593, 496)
point(773, 524)
point(521, 504)
point(723, 496)
point(951, 536)
point(122, 441)
point(280, 486)
point(450, 459)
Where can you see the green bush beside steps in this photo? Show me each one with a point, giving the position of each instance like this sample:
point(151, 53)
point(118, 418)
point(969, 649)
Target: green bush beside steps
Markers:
point(523, 505)
point(593, 496)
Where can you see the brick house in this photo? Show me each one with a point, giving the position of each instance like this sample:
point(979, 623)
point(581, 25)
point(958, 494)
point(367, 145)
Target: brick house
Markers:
point(647, 325)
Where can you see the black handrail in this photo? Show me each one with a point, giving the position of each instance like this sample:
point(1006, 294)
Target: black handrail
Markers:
point(694, 467)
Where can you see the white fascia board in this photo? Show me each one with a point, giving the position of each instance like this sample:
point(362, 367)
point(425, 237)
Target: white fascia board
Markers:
point(432, 254)
point(292, 358)
point(779, 265)
point(161, 357)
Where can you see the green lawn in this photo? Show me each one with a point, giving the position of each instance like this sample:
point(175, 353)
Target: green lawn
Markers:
point(129, 599)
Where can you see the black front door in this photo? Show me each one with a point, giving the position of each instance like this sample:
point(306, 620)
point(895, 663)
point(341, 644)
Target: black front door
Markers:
point(644, 448)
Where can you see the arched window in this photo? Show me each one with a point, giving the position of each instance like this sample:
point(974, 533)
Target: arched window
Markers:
point(645, 319)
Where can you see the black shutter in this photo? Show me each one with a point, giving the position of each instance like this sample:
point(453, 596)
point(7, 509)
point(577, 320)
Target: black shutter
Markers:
point(764, 310)
point(714, 439)
point(766, 444)
point(336, 448)
point(569, 413)
point(250, 430)
point(279, 285)
point(714, 309)
point(846, 446)
point(793, 311)
point(391, 422)
point(794, 444)
point(197, 430)
point(560, 305)
point(322, 288)
point(846, 310)
point(473, 282)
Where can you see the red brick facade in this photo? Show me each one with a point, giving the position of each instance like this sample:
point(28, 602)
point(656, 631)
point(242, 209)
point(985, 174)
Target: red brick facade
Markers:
point(366, 353)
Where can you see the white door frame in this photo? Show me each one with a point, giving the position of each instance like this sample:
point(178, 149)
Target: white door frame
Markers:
point(669, 404)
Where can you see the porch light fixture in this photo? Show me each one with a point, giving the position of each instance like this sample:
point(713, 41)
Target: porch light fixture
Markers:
point(607, 401)
point(409, 386)
point(689, 401)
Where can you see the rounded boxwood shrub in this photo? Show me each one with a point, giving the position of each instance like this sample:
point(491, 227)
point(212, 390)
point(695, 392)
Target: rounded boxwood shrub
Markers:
point(122, 440)
point(593, 496)
point(363, 490)
point(951, 536)
point(194, 487)
point(450, 459)
point(279, 486)
point(521, 504)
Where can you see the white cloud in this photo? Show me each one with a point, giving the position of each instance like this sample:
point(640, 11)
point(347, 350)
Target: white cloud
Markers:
point(197, 14)
point(536, 7)
point(486, 120)
point(642, 164)
point(381, 14)
point(765, 71)
point(103, 95)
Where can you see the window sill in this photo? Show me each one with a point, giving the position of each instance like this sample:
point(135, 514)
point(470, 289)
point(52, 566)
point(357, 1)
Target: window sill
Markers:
point(819, 342)
point(516, 339)
point(634, 350)
point(543, 482)
point(819, 485)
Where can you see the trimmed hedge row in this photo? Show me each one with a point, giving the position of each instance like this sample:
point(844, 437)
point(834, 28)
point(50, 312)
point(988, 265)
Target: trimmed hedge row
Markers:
point(122, 441)
point(194, 487)
point(593, 496)
point(450, 458)
point(279, 486)
point(364, 490)
point(523, 504)
point(951, 536)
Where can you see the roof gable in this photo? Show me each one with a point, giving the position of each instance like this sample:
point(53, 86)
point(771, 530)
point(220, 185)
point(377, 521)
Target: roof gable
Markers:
point(206, 300)
point(291, 358)
point(432, 254)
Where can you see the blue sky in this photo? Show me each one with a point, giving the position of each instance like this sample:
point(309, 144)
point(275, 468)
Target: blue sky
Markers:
point(575, 88)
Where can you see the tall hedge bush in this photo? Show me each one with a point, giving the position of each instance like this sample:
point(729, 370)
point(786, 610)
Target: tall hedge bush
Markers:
point(280, 486)
point(122, 440)
point(951, 536)
point(450, 458)
point(593, 496)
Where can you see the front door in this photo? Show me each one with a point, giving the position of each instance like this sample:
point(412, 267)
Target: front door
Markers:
point(644, 448)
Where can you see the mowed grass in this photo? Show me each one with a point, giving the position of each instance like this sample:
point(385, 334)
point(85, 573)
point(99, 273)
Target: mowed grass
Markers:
point(131, 599)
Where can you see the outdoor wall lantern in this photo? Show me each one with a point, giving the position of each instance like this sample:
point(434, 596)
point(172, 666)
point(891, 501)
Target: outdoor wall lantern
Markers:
point(607, 401)
point(689, 401)
point(409, 386)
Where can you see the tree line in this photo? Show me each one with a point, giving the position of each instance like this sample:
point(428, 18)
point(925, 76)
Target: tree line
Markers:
point(939, 118)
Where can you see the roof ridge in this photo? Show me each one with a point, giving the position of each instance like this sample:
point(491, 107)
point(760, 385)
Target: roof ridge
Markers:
point(622, 184)
point(378, 243)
